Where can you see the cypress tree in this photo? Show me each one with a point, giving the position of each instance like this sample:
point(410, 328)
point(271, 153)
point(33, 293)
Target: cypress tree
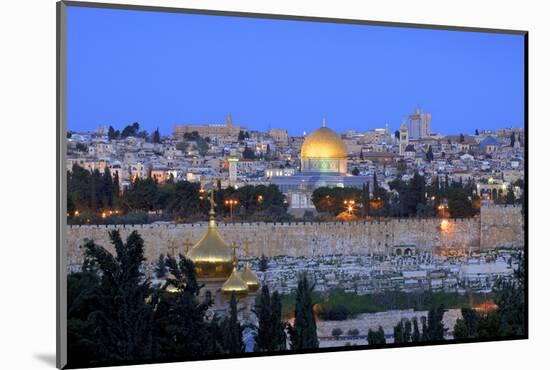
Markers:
point(467, 327)
point(416, 332)
point(108, 188)
point(436, 329)
point(398, 333)
point(116, 186)
point(264, 333)
point(376, 336)
point(407, 329)
point(232, 330)
point(303, 334)
point(270, 335)
point(425, 336)
point(279, 335)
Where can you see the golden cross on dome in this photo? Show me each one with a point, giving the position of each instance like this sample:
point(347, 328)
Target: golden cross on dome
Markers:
point(234, 247)
point(173, 248)
point(187, 244)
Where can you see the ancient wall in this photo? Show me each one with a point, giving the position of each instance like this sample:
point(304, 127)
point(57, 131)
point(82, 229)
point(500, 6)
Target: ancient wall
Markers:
point(497, 226)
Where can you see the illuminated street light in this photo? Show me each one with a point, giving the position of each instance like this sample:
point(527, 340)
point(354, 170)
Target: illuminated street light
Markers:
point(349, 205)
point(231, 203)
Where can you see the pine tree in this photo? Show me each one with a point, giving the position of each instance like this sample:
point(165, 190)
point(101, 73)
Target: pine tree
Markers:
point(123, 318)
point(303, 334)
point(513, 139)
point(160, 268)
point(180, 328)
point(477, 132)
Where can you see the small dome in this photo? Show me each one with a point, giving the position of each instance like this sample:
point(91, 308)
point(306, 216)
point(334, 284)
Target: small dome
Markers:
point(324, 143)
point(235, 285)
point(250, 279)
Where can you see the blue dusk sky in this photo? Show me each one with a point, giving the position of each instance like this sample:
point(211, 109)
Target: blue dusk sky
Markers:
point(162, 69)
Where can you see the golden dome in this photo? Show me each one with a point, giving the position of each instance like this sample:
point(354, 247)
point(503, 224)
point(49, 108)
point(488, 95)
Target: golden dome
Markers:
point(250, 279)
point(211, 255)
point(324, 143)
point(235, 285)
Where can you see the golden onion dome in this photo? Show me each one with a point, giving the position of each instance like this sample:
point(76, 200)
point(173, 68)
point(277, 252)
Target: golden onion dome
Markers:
point(324, 143)
point(250, 279)
point(211, 255)
point(235, 285)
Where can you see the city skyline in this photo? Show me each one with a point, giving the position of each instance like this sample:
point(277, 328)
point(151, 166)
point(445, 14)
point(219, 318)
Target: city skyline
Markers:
point(285, 74)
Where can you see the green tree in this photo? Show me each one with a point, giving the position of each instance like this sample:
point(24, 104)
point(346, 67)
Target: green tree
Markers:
point(415, 337)
point(107, 189)
point(264, 333)
point(355, 171)
point(112, 133)
point(130, 130)
point(123, 318)
point(82, 290)
point(435, 328)
point(513, 139)
point(398, 333)
point(156, 136)
point(430, 154)
point(407, 331)
point(468, 325)
point(336, 332)
point(303, 334)
point(232, 330)
point(180, 328)
point(160, 268)
point(202, 146)
point(248, 153)
point(376, 337)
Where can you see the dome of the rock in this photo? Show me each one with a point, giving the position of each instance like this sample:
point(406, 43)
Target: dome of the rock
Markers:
point(324, 151)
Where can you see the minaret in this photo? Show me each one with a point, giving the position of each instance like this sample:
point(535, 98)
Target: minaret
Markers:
point(403, 138)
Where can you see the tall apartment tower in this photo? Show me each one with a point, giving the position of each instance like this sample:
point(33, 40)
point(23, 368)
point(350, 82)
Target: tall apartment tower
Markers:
point(419, 124)
point(403, 138)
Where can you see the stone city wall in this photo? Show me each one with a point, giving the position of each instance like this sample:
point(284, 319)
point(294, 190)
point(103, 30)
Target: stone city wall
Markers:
point(496, 227)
